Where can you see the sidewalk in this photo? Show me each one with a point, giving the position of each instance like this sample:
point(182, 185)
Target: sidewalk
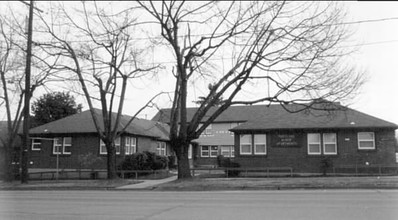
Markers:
point(147, 184)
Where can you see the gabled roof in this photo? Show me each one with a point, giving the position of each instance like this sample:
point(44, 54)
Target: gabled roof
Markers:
point(266, 117)
point(83, 123)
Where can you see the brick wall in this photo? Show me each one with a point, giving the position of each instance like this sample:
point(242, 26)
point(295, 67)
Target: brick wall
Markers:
point(297, 157)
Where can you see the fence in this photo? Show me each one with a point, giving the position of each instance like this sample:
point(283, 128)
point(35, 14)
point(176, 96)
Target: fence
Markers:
point(245, 171)
point(93, 174)
point(366, 170)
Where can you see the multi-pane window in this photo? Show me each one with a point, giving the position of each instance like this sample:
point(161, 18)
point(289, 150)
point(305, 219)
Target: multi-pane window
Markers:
point(228, 151)
point(245, 144)
point(329, 144)
point(213, 151)
point(260, 144)
point(36, 144)
point(62, 145)
point(190, 152)
point(161, 148)
point(103, 146)
point(314, 143)
point(205, 151)
point(366, 141)
point(327, 140)
point(130, 145)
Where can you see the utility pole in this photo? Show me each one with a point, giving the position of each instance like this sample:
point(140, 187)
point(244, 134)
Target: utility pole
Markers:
point(25, 139)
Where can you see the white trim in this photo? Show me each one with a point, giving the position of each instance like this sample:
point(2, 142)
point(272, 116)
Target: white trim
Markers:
point(335, 144)
point(117, 145)
point(102, 147)
point(161, 148)
point(57, 145)
point(261, 142)
point(227, 150)
point(205, 151)
point(245, 143)
point(127, 146)
point(213, 151)
point(64, 145)
point(366, 140)
point(317, 143)
point(36, 146)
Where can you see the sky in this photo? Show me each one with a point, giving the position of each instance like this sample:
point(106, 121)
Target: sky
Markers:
point(377, 55)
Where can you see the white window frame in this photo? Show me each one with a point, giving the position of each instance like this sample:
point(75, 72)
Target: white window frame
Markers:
point(102, 148)
point(212, 151)
point(57, 146)
point(204, 151)
point(262, 142)
point(366, 140)
point(127, 146)
point(36, 146)
point(325, 143)
point(190, 151)
point(245, 143)
point(64, 145)
point(318, 143)
point(229, 152)
point(161, 148)
point(117, 145)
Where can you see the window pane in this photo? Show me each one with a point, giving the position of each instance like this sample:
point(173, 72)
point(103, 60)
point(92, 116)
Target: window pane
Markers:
point(314, 138)
point(67, 141)
point(330, 148)
point(329, 138)
point(246, 148)
point(127, 141)
point(314, 148)
point(365, 136)
point(206, 148)
point(117, 141)
point(259, 139)
point(245, 139)
point(366, 144)
point(260, 148)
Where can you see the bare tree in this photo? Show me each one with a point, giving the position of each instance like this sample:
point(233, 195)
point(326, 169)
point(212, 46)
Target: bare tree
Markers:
point(13, 87)
point(292, 51)
point(98, 48)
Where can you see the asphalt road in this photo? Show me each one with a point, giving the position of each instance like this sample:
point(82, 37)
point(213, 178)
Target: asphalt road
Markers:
point(295, 204)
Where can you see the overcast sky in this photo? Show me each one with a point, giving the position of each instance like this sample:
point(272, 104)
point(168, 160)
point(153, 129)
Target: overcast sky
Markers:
point(378, 56)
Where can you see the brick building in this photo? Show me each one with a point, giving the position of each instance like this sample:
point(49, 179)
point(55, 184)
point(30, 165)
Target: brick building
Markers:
point(76, 144)
point(270, 136)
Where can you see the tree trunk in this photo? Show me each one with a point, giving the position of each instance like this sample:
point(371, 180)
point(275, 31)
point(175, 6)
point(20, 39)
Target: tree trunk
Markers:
point(181, 151)
point(111, 161)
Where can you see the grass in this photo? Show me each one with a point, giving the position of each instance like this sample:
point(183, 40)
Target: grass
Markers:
point(279, 183)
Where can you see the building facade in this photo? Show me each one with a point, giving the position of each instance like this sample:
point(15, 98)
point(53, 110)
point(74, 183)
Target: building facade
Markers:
point(73, 143)
point(270, 136)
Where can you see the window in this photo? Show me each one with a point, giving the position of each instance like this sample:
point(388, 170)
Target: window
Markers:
point(213, 151)
point(228, 151)
point(314, 144)
point(67, 144)
point(36, 144)
point(204, 151)
point(57, 145)
point(117, 145)
point(190, 151)
point(260, 144)
point(245, 144)
point(366, 141)
point(329, 144)
point(130, 145)
point(161, 148)
point(103, 146)
point(62, 145)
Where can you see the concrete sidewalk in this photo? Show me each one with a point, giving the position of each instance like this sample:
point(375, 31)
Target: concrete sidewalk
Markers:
point(148, 184)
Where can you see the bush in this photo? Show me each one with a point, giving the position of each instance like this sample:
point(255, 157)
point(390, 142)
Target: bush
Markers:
point(144, 161)
point(226, 162)
point(172, 162)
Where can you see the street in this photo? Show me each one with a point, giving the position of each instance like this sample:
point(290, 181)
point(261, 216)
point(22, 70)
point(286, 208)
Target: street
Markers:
point(294, 204)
